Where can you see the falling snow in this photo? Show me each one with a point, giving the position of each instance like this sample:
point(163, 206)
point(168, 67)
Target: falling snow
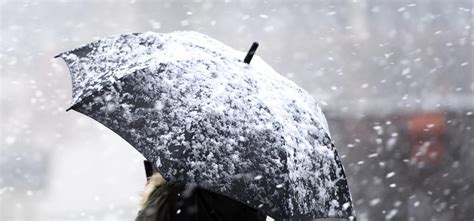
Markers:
point(414, 56)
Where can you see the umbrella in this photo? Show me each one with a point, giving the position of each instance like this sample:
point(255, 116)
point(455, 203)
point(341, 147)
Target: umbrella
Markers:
point(202, 115)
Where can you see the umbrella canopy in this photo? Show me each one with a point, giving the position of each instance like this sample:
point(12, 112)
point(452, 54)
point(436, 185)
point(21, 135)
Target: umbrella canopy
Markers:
point(191, 106)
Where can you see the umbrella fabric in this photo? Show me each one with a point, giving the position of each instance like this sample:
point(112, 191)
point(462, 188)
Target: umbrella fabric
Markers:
point(192, 107)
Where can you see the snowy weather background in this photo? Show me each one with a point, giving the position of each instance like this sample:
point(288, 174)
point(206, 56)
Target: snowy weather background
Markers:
point(394, 79)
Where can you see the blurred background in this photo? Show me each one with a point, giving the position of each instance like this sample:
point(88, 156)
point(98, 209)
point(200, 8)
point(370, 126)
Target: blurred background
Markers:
point(394, 78)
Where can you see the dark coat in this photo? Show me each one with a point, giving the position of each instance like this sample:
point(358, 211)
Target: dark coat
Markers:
point(178, 201)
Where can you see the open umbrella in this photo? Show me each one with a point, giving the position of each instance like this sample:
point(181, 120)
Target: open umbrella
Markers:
point(201, 115)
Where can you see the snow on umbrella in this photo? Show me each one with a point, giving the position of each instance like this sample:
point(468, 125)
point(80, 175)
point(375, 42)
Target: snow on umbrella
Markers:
point(192, 107)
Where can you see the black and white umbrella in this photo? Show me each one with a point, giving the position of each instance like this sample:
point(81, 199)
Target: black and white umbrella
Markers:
point(202, 115)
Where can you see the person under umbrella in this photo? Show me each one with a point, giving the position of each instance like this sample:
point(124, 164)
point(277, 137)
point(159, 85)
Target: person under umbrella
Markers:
point(163, 200)
point(204, 117)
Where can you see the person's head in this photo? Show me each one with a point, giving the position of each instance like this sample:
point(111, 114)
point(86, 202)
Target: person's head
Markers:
point(153, 182)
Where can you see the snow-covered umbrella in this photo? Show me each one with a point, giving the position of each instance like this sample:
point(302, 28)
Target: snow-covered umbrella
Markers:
point(202, 115)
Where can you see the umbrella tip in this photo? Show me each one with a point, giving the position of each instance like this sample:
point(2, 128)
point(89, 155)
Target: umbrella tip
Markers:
point(251, 52)
point(70, 108)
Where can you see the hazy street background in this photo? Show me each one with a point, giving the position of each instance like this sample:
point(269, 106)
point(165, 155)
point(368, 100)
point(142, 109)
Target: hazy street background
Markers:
point(394, 78)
